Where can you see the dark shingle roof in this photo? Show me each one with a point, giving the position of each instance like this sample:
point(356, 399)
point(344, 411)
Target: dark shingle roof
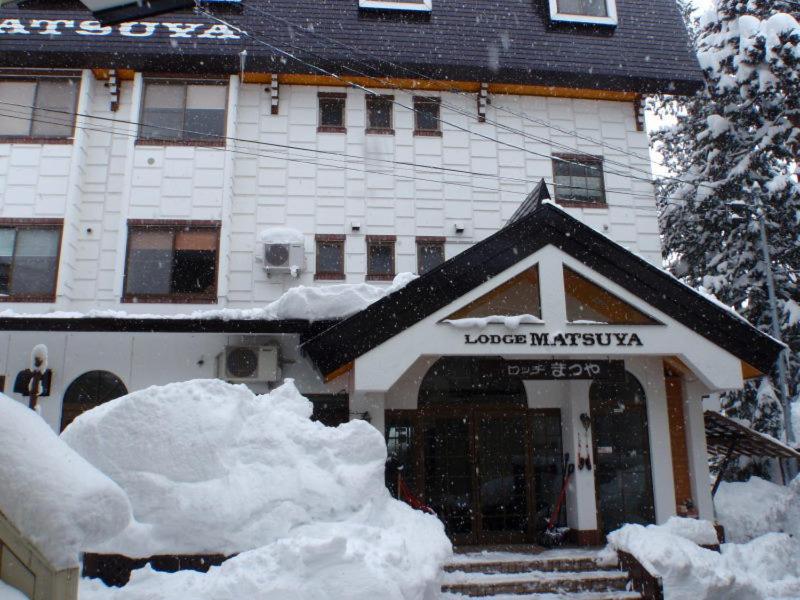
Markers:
point(546, 225)
point(508, 41)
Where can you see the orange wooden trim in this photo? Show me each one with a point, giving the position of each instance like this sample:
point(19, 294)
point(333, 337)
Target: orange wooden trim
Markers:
point(482, 307)
point(122, 74)
point(379, 82)
point(562, 92)
point(338, 372)
point(750, 372)
point(676, 366)
point(249, 77)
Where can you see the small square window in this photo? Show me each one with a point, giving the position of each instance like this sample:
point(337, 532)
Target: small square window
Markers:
point(42, 108)
point(578, 179)
point(171, 262)
point(177, 111)
point(29, 260)
point(380, 258)
point(379, 114)
point(426, 116)
point(595, 12)
point(332, 113)
point(430, 254)
point(330, 257)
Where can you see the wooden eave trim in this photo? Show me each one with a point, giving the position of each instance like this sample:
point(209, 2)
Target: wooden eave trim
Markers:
point(122, 74)
point(338, 372)
point(750, 372)
point(445, 86)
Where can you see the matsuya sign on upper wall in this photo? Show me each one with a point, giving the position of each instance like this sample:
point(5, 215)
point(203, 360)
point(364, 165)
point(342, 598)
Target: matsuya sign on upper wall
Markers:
point(134, 29)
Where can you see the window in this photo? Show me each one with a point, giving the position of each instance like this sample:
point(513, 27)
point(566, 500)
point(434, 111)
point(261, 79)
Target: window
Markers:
point(181, 112)
point(430, 253)
point(89, 391)
point(29, 260)
point(380, 257)
point(407, 5)
point(331, 112)
point(41, 109)
point(579, 180)
point(171, 261)
point(426, 116)
point(596, 12)
point(330, 257)
point(379, 114)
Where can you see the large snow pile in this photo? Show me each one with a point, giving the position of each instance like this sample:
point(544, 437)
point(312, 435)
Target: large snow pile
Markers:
point(211, 468)
point(55, 498)
point(749, 509)
point(9, 593)
point(765, 568)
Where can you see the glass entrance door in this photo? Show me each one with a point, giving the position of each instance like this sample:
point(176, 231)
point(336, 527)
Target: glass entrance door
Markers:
point(621, 454)
point(477, 472)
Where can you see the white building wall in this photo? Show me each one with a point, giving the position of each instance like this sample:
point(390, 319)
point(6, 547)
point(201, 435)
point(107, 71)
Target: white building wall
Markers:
point(256, 182)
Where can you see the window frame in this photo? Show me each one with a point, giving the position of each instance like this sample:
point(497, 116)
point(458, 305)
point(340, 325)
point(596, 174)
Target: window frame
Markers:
point(611, 19)
point(212, 143)
point(49, 224)
point(382, 240)
point(588, 160)
point(380, 130)
point(172, 226)
point(432, 100)
point(424, 6)
point(430, 241)
point(332, 128)
point(329, 238)
point(33, 139)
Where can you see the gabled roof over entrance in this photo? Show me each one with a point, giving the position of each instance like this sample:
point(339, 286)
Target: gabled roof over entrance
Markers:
point(530, 231)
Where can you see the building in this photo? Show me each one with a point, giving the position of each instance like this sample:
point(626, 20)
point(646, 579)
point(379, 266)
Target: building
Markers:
point(161, 181)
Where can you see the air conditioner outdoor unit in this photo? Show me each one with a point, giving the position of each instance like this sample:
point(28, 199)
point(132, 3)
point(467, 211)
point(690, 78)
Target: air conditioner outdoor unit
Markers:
point(284, 258)
point(248, 363)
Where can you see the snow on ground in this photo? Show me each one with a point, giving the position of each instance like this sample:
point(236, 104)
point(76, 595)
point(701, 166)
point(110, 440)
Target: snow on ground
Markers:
point(311, 303)
point(55, 498)
point(212, 468)
point(764, 568)
point(9, 593)
point(753, 508)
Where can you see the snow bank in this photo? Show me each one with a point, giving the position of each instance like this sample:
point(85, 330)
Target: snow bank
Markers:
point(766, 567)
point(755, 507)
point(56, 499)
point(311, 303)
point(211, 468)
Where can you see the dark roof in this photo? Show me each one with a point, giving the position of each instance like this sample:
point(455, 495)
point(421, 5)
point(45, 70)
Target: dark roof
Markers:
point(507, 41)
point(162, 325)
point(533, 201)
point(723, 433)
point(547, 225)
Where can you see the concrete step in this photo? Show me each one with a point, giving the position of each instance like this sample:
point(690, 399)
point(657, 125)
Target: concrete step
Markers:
point(533, 582)
point(587, 563)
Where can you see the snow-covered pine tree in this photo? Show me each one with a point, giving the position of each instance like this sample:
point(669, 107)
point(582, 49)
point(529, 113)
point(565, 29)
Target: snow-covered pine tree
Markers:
point(734, 148)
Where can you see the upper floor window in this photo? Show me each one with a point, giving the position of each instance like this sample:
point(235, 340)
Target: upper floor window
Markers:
point(331, 112)
point(380, 257)
point(379, 114)
point(29, 252)
point(579, 180)
point(330, 257)
point(39, 108)
point(408, 5)
point(597, 12)
point(430, 253)
point(183, 112)
point(172, 261)
point(426, 116)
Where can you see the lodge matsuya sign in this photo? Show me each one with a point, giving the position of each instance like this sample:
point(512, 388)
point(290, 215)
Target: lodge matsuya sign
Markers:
point(134, 29)
point(557, 340)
